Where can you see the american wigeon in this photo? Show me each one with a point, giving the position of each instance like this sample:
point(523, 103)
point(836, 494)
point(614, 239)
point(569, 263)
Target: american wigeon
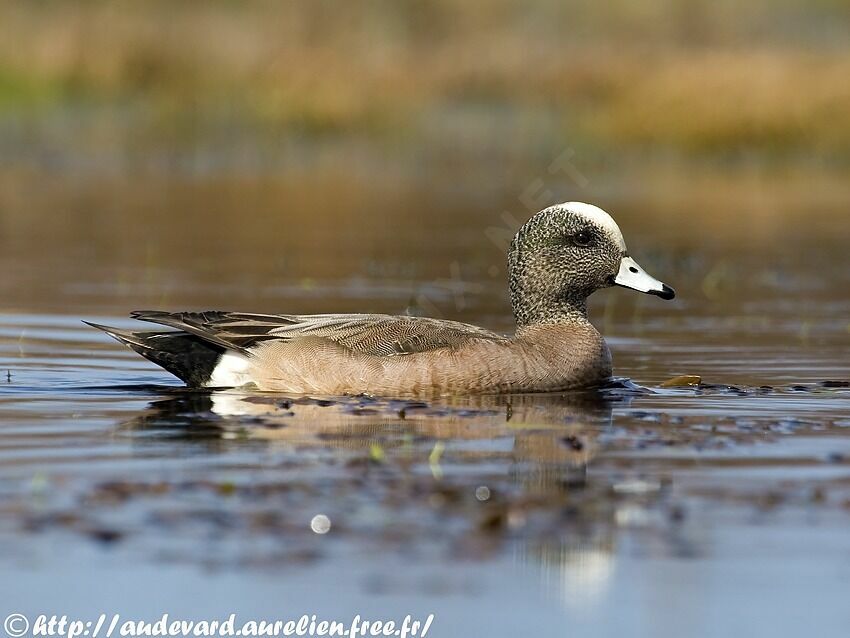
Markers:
point(556, 260)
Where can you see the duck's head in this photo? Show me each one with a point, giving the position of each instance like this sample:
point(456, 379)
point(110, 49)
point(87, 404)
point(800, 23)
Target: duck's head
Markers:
point(562, 255)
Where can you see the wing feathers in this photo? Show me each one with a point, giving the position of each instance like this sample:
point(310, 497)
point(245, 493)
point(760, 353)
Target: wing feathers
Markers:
point(382, 335)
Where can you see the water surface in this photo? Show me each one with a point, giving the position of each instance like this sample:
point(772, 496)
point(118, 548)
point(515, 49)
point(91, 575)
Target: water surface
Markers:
point(639, 510)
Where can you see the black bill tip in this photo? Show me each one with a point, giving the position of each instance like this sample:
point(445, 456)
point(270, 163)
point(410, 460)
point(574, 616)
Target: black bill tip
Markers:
point(666, 292)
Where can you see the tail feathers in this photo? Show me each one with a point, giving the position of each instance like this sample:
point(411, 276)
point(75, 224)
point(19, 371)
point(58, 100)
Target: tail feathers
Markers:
point(186, 356)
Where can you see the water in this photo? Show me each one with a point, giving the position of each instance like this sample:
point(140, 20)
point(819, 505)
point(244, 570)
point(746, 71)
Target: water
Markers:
point(640, 510)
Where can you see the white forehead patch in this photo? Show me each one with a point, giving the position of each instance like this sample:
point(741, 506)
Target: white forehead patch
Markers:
point(599, 217)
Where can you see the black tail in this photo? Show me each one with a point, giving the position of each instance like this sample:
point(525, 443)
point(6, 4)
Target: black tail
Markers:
point(189, 358)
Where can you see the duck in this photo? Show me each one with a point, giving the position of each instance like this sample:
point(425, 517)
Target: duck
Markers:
point(556, 260)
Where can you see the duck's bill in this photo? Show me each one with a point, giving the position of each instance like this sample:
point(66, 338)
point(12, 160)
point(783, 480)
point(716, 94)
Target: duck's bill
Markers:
point(633, 276)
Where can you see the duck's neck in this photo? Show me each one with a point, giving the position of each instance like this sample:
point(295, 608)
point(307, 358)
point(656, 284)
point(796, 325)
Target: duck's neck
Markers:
point(545, 311)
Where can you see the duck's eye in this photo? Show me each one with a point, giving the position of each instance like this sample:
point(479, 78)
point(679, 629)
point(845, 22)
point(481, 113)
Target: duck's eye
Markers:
point(582, 238)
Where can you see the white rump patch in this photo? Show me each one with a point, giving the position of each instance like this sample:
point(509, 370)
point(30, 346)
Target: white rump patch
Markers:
point(230, 372)
point(599, 217)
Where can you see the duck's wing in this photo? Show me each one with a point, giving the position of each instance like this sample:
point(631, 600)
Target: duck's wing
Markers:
point(381, 335)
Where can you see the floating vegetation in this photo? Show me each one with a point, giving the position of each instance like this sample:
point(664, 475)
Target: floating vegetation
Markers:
point(684, 380)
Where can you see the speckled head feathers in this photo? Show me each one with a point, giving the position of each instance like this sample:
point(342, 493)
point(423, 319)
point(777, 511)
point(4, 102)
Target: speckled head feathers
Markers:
point(561, 256)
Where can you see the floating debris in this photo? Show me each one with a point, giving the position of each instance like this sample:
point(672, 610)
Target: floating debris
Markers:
point(684, 380)
point(573, 442)
point(482, 493)
point(320, 524)
point(637, 486)
point(434, 459)
point(376, 453)
point(105, 535)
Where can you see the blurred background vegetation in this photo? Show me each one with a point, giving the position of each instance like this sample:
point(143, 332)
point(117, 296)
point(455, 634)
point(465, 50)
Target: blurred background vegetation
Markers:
point(661, 81)
point(201, 152)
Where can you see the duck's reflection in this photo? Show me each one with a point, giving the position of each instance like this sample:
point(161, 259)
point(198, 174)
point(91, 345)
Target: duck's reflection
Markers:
point(530, 452)
point(546, 432)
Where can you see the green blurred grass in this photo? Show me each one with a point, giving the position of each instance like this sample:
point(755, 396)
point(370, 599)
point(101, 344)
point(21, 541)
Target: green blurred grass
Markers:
point(661, 78)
